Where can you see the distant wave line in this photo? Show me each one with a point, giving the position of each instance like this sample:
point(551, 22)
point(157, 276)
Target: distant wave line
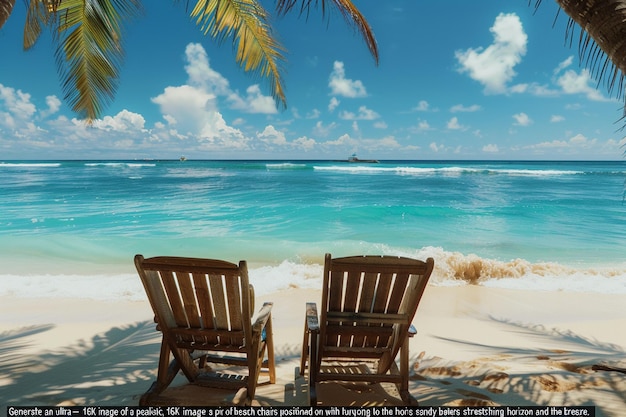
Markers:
point(457, 171)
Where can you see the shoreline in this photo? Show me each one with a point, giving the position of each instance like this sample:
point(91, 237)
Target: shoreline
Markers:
point(475, 346)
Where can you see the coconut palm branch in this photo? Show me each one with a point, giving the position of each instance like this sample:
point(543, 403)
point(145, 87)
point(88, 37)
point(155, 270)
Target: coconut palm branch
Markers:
point(89, 40)
point(6, 7)
point(246, 21)
point(89, 52)
point(348, 10)
point(602, 38)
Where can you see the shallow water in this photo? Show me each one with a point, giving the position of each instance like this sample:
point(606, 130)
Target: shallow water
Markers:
point(543, 225)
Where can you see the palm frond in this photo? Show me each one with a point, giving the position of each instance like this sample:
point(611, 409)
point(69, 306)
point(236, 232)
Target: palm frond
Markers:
point(257, 49)
point(602, 38)
point(348, 10)
point(40, 13)
point(6, 7)
point(89, 52)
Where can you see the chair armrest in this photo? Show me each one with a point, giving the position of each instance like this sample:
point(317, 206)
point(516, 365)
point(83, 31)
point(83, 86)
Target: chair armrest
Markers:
point(312, 322)
point(262, 317)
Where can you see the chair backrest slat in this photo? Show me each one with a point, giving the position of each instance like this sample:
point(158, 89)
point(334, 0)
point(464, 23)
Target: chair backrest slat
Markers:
point(358, 288)
point(210, 296)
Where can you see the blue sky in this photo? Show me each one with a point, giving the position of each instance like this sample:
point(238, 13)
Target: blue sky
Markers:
point(454, 82)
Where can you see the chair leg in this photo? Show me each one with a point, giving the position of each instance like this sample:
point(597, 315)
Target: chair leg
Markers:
point(313, 369)
point(166, 373)
point(271, 362)
point(305, 349)
point(404, 374)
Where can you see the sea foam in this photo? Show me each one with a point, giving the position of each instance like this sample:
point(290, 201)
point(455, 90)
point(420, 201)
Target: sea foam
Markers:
point(451, 269)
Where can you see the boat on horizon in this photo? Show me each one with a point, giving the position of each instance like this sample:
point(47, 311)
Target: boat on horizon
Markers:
point(354, 159)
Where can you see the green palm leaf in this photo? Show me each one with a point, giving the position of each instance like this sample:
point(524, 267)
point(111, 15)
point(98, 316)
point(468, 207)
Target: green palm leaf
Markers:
point(6, 6)
point(257, 49)
point(89, 52)
point(348, 10)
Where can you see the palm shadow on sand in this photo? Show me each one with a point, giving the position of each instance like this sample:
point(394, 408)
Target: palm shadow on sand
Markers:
point(110, 369)
point(553, 374)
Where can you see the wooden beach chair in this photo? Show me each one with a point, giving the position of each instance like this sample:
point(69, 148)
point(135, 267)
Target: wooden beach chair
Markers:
point(368, 303)
point(203, 307)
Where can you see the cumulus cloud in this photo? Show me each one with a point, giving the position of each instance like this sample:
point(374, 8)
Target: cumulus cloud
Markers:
point(363, 114)
point(272, 136)
point(343, 140)
point(522, 119)
point(323, 130)
point(200, 74)
point(332, 105)
point(122, 122)
point(556, 118)
point(253, 102)
point(342, 86)
point(17, 102)
point(572, 82)
point(493, 66)
point(53, 103)
point(453, 124)
point(304, 143)
point(422, 106)
point(465, 109)
point(491, 148)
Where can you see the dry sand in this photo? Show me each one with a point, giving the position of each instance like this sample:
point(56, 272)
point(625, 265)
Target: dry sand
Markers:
point(475, 346)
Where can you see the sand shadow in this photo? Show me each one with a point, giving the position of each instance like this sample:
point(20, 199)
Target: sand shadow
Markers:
point(554, 375)
point(110, 369)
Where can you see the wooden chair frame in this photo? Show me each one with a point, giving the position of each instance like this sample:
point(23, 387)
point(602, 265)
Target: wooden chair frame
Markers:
point(368, 304)
point(203, 307)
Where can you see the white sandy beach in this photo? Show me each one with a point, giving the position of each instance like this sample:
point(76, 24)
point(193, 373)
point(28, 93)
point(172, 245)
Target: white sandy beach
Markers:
point(475, 346)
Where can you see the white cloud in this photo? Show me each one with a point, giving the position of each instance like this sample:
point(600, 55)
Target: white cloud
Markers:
point(564, 65)
point(200, 72)
point(272, 136)
point(494, 66)
point(466, 109)
point(253, 102)
point(124, 121)
point(54, 104)
point(422, 126)
point(572, 82)
point(332, 105)
point(453, 124)
point(363, 114)
point(17, 102)
point(321, 130)
point(435, 147)
point(313, 114)
point(422, 106)
point(578, 141)
point(380, 125)
point(491, 148)
point(342, 86)
point(556, 118)
point(343, 140)
point(304, 143)
point(522, 119)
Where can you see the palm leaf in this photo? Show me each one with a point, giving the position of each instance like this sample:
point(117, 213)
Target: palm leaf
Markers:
point(602, 38)
point(6, 7)
point(89, 52)
point(257, 50)
point(348, 10)
point(39, 14)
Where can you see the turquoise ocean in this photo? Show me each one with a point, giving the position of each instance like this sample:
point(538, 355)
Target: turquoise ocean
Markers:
point(72, 228)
